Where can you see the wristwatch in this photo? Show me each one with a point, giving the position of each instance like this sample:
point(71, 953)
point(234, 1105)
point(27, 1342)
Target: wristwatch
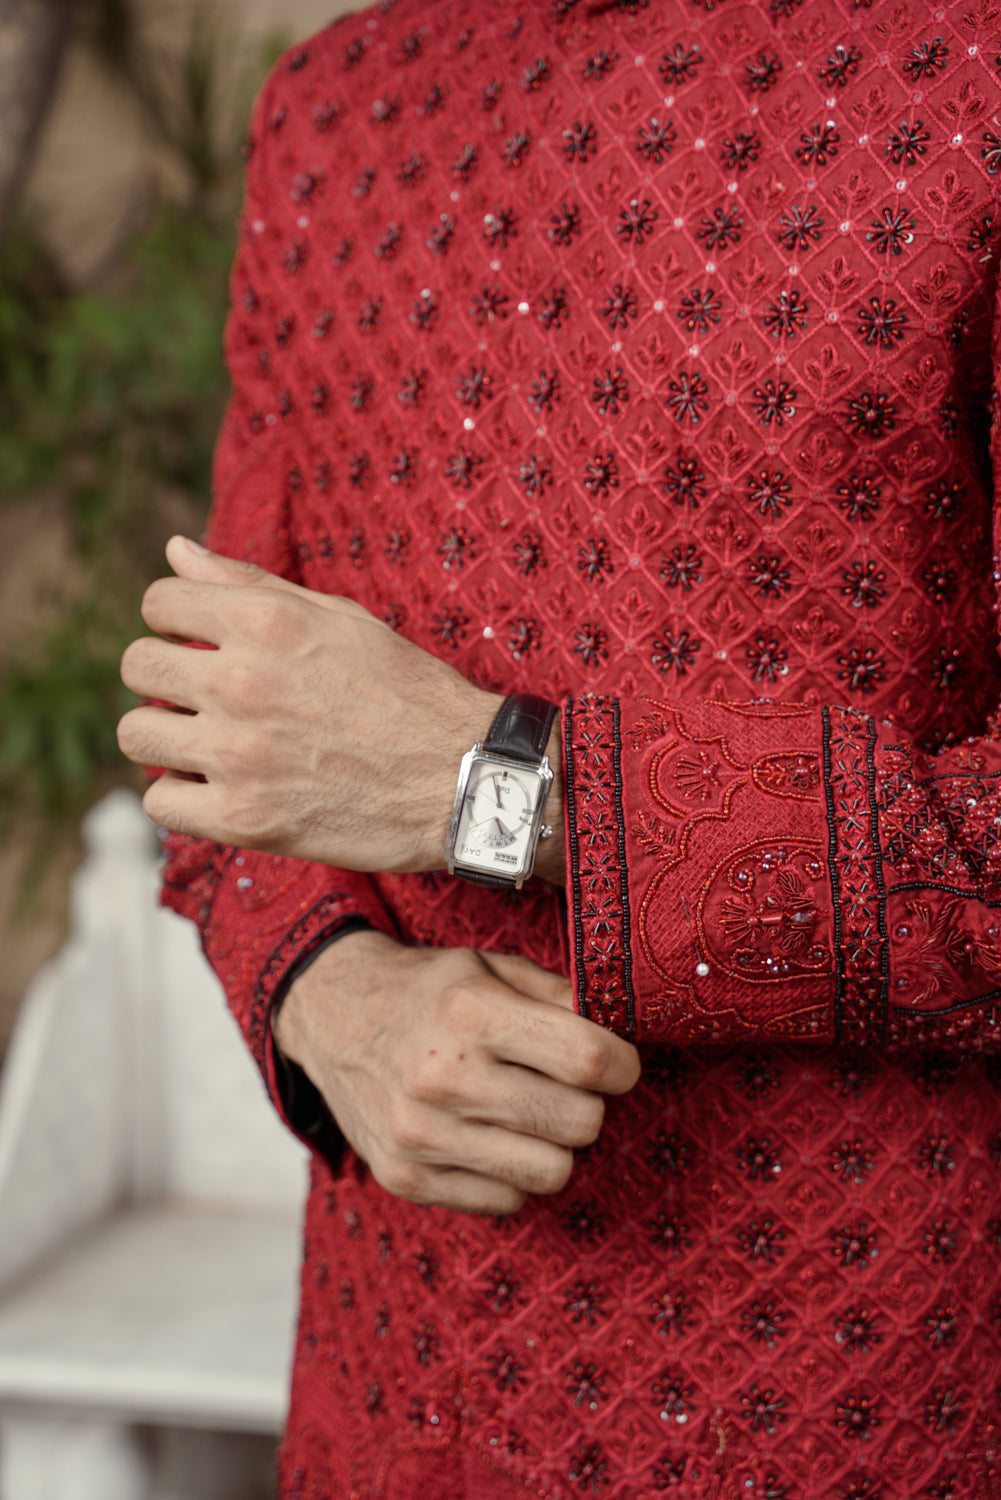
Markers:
point(504, 781)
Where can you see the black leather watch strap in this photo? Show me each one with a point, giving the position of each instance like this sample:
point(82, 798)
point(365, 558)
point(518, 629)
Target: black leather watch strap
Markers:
point(483, 877)
point(521, 727)
point(519, 732)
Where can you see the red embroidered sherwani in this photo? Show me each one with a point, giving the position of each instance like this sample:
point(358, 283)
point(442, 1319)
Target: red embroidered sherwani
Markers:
point(640, 355)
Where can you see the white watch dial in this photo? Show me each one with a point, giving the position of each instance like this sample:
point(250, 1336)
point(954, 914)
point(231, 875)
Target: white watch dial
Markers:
point(497, 815)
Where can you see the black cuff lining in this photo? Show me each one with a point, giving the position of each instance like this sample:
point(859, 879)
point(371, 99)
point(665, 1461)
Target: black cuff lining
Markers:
point(305, 1107)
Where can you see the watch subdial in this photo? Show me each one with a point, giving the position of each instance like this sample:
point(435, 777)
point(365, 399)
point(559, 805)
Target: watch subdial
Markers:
point(498, 807)
point(492, 834)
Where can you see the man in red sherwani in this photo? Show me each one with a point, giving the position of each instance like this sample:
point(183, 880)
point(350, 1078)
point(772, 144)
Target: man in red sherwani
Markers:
point(634, 357)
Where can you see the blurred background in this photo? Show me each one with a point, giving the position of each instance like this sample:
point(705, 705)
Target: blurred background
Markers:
point(121, 124)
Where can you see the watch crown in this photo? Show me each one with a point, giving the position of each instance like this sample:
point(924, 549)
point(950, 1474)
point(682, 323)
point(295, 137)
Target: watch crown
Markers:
point(545, 832)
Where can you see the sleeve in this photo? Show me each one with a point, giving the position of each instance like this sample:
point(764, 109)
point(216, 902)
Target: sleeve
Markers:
point(261, 918)
point(742, 871)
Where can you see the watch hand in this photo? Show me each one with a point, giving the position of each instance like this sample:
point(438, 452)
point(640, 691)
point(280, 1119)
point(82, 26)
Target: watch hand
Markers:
point(503, 830)
point(497, 791)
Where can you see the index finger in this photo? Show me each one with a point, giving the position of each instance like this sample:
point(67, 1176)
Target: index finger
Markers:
point(529, 978)
point(553, 1040)
point(188, 611)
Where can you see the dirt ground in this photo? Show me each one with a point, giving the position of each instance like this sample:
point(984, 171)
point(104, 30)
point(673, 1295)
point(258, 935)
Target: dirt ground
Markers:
point(92, 181)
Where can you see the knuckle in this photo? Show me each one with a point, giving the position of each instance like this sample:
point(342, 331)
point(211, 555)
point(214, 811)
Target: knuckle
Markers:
point(554, 1175)
point(243, 686)
point(428, 1081)
point(150, 804)
point(399, 1177)
point(129, 661)
point(135, 743)
point(128, 733)
point(460, 1008)
point(137, 667)
point(154, 596)
point(240, 754)
point(274, 614)
point(408, 1131)
point(159, 812)
point(586, 1128)
point(590, 1060)
point(636, 1067)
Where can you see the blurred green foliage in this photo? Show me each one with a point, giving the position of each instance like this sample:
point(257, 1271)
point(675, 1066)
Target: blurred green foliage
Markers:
point(59, 712)
point(110, 399)
point(109, 396)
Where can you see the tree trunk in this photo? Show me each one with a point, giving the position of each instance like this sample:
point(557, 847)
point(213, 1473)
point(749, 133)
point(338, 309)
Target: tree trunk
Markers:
point(33, 36)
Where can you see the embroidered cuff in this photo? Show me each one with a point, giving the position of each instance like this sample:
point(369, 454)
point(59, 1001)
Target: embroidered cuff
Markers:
point(697, 848)
point(598, 895)
point(262, 919)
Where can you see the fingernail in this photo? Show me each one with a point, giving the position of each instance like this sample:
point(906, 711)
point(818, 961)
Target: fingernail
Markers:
point(196, 546)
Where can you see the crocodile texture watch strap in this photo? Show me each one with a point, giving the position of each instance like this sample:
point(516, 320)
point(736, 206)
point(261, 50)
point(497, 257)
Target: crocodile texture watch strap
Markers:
point(520, 731)
point(521, 728)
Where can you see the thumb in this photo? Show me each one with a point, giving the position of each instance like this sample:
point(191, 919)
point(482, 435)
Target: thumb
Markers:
point(192, 561)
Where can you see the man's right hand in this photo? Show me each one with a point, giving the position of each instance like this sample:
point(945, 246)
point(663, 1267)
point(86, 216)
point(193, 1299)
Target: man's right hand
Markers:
point(462, 1078)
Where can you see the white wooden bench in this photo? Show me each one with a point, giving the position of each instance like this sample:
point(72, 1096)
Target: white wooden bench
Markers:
point(149, 1207)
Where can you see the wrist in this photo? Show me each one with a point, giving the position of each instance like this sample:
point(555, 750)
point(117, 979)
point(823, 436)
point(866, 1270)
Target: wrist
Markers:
point(296, 1020)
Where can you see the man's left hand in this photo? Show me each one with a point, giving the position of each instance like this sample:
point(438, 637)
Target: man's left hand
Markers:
point(312, 729)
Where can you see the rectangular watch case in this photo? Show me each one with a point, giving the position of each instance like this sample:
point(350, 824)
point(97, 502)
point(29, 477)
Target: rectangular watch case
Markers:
point(541, 773)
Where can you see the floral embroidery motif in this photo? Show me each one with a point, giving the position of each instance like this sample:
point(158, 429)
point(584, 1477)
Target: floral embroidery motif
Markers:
point(788, 774)
point(767, 925)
